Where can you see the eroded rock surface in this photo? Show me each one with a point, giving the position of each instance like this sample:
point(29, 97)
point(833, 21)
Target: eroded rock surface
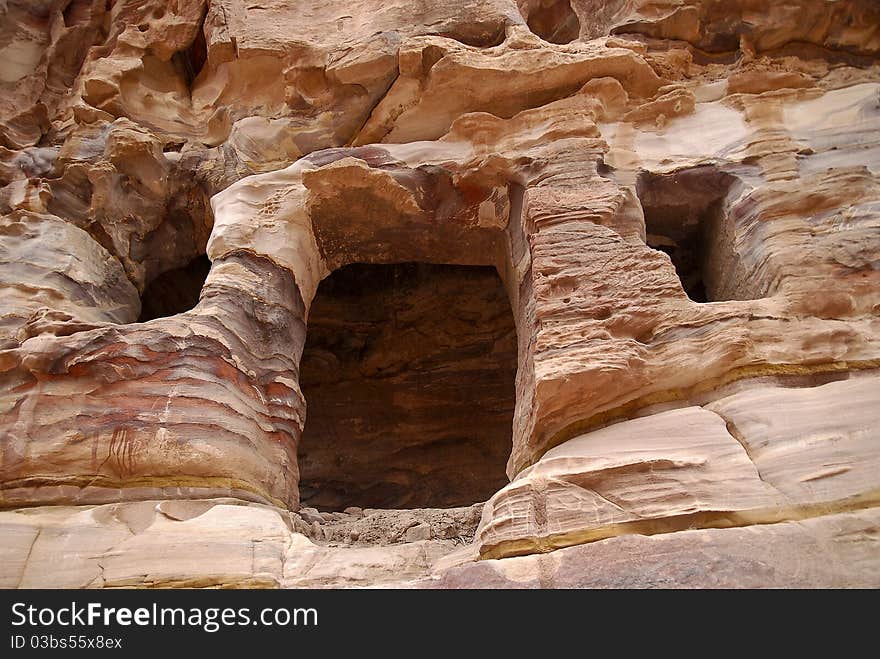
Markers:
point(681, 199)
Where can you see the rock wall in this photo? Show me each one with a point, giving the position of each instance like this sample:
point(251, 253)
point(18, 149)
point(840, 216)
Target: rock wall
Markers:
point(681, 199)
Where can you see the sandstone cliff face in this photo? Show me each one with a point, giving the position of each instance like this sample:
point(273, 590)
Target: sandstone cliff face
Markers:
point(681, 199)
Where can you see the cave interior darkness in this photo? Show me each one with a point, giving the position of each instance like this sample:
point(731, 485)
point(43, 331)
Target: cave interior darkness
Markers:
point(175, 291)
point(408, 374)
point(684, 218)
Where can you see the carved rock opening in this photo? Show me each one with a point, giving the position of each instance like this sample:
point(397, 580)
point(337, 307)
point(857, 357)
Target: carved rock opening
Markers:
point(685, 218)
point(175, 291)
point(552, 20)
point(408, 372)
point(193, 58)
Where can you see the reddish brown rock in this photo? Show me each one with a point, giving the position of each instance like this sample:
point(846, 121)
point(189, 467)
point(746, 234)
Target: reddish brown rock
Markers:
point(680, 199)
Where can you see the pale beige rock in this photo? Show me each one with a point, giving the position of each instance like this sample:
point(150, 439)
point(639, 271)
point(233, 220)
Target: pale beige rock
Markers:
point(233, 546)
point(761, 455)
point(440, 81)
point(165, 544)
point(813, 445)
point(832, 551)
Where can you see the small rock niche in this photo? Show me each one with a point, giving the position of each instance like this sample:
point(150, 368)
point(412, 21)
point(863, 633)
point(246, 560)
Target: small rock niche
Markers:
point(408, 373)
point(552, 20)
point(175, 291)
point(685, 218)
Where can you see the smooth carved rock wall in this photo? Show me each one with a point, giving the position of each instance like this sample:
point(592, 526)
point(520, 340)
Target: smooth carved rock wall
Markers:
point(573, 148)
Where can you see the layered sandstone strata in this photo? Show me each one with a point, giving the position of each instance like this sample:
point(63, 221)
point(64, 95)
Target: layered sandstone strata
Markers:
point(682, 202)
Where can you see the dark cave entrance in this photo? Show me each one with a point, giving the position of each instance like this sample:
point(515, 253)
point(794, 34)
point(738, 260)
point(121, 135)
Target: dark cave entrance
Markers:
point(685, 219)
point(175, 291)
point(408, 372)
